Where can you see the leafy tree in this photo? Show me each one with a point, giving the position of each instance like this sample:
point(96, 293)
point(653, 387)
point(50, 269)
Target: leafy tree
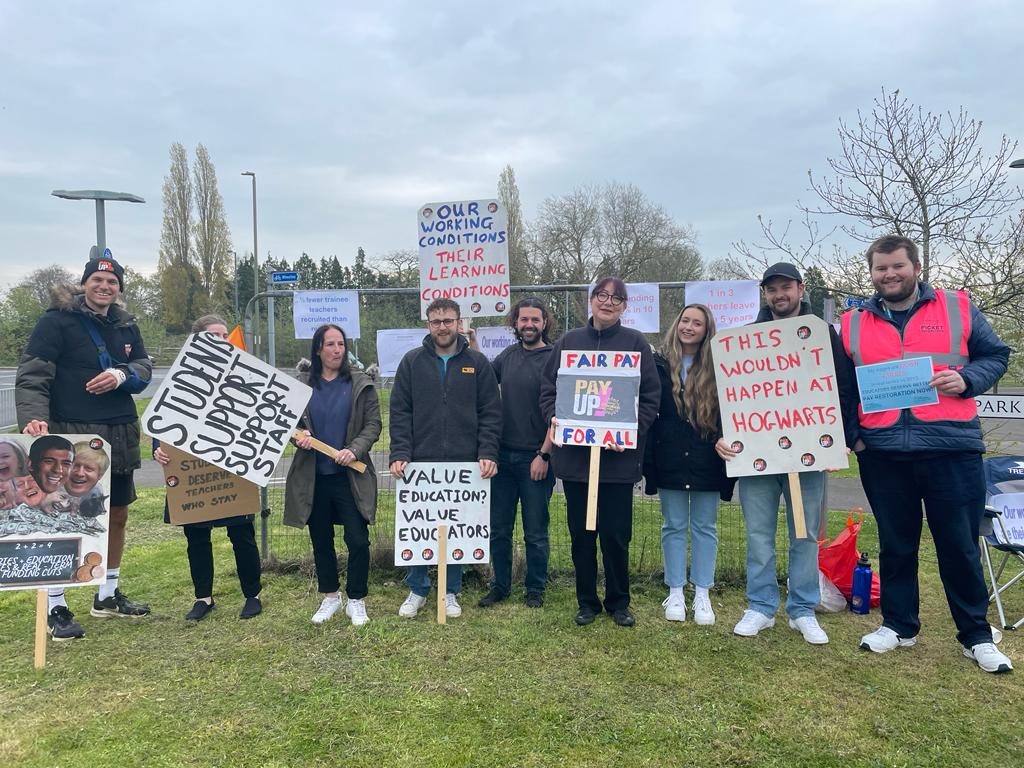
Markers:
point(508, 193)
point(210, 234)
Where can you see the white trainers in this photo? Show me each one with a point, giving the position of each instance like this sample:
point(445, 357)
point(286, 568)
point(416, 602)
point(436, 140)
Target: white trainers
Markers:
point(328, 607)
point(989, 658)
point(884, 639)
point(452, 609)
point(752, 623)
point(808, 627)
point(356, 610)
point(411, 606)
point(675, 607)
point(703, 613)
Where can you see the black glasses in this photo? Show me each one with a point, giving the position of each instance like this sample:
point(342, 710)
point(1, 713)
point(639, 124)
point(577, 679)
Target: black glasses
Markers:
point(615, 299)
point(447, 322)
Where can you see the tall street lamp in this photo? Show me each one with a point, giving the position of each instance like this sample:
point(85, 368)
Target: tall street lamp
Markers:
point(255, 265)
point(1017, 163)
point(100, 196)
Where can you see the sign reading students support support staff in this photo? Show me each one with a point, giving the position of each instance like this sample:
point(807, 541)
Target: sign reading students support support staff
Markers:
point(225, 406)
point(778, 397)
point(597, 398)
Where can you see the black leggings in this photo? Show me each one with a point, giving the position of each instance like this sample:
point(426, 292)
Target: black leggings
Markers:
point(247, 558)
point(333, 505)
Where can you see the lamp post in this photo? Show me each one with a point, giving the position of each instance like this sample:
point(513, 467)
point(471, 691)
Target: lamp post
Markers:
point(1017, 163)
point(234, 277)
point(100, 196)
point(255, 265)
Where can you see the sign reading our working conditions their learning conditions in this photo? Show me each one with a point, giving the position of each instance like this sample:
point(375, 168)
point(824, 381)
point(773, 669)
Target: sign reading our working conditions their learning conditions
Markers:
point(464, 256)
point(226, 406)
point(54, 510)
point(778, 397)
point(433, 493)
point(197, 491)
point(597, 396)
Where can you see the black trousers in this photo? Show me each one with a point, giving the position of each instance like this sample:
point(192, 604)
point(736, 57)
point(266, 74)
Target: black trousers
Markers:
point(333, 505)
point(615, 528)
point(952, 489)
point(200, 558)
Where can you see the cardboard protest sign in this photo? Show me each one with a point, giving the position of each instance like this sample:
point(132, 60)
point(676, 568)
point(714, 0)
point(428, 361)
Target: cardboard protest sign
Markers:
point(597, 397)
point(54, 510)
point(464, 256)
point(732, 302)
point(197, 491)
point(393, 343)
point(311, 309)
point(227, 407)
point(778, 397)
point(643, 310)
point(434, 493)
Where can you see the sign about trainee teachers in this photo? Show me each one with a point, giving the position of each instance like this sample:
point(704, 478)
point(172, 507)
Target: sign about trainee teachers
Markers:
point(311, 309)
point(225, 406)
point(433, 493)
point(732, 302)
point(778, 397)
point(597, 398)
point(464, 256)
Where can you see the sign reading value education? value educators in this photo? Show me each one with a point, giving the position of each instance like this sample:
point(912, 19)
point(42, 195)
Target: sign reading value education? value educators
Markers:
point(597, 398)
point(434, 493)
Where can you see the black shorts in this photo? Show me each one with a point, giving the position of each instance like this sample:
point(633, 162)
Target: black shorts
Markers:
point(122, 489)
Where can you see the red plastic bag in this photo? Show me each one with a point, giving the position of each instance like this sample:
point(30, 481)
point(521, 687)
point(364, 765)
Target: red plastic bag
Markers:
point(838, 557)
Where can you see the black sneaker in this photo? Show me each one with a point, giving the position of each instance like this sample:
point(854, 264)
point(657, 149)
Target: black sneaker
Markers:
point(624, 617)
point(61, 624)
point(252, 607)
point(119, 606)
point(585, 616)
point(534, 599)
point(492, 597)
point(199, 610)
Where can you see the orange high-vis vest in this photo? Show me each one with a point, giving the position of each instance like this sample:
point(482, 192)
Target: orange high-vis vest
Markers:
point(938, 329)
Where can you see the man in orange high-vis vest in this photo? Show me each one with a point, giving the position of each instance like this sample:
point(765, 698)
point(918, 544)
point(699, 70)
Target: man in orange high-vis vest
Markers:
point(926, 454)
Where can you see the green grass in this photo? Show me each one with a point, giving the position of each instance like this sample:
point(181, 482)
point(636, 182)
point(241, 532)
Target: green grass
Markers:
point(508, 686)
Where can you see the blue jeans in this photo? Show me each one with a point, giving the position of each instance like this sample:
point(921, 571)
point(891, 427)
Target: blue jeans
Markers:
point(759, 497)
point(511, 485)
point(418, 580)
point(694, 513)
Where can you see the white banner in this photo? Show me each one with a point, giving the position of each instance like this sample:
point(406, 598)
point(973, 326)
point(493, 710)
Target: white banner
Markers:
point(433, 493)
point(643, 308)
point(311, 309)
point(227, 407)
point(464, 256)
point(732, 302)
point(393, 343)
point(778, 397)
point(492, 340)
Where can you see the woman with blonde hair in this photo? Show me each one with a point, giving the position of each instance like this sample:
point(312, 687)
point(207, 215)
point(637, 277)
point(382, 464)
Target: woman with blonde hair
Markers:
point(681, 465)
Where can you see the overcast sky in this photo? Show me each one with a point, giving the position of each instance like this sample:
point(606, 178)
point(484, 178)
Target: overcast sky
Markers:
point(352, 117)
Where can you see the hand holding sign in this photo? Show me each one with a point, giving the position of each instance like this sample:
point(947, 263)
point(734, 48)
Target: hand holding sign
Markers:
point(345, 457)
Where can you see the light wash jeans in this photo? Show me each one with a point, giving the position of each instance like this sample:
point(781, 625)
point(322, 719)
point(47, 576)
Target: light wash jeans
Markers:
point(759, 497)
point(694, 513)
point(418, 580)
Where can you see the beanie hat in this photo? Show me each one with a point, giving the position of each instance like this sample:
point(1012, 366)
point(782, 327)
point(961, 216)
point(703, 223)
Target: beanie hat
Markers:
point(104, 265)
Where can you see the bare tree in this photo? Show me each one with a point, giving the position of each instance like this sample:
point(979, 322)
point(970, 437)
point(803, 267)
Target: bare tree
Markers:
point(568, 236)
point(211, 236)
point(40, 281)
point(400, 268)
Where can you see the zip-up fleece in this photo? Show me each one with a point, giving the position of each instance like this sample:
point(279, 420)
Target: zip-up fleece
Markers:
point(454, 419)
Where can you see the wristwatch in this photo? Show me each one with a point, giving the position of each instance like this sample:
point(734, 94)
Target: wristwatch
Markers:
point(545, 456)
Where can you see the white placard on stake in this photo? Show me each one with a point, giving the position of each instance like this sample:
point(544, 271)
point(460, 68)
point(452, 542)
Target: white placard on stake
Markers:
point(732, 302)
point(392, 344)
point(311, 309)
point(643, 308)
point(227, 407)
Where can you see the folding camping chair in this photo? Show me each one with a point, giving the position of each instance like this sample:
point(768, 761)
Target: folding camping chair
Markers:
point(1003, 527)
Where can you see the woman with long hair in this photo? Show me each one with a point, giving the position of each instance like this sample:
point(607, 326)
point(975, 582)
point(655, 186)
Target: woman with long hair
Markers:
point(321, 491)
point(681, 462)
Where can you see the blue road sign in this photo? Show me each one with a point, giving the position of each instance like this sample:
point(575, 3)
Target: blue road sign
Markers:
point(107, 254)
point(284, 277)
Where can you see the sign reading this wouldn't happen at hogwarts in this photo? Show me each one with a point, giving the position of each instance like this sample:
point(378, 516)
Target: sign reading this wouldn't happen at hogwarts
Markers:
point(778, 397)
point(433, 493)
point(597, 397)
point(464, 256)
point(225, 406)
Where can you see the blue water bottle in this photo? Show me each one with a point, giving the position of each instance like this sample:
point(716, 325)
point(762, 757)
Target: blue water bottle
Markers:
point(860, 600)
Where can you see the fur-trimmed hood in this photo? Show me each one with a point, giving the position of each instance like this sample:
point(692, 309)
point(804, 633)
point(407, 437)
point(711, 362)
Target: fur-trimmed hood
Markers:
point(65, 297)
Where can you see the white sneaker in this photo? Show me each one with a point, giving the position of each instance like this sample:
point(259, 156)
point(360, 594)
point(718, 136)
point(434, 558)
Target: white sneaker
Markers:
point(411, 606)
point(452, 609)
point(752, 623)
point(675, 607)
point(989, 657)
point(356, 610)
point(328, 607)
point(703, 613)
point(884, 639)
point(808, 627)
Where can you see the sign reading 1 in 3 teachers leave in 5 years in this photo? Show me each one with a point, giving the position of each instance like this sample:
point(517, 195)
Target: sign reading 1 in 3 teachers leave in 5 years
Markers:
point(778, 397)
point(433, 493)
point(464, 256)
point(597, 395)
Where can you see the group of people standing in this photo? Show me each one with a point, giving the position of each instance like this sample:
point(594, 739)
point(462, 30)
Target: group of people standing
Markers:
point(449, 403)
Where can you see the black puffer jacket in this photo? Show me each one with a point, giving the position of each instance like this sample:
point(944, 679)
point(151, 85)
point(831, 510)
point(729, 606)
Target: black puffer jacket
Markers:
point(677, 457)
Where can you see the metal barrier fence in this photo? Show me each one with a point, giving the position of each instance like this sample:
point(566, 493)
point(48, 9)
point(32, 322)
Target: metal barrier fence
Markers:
point(8, 413)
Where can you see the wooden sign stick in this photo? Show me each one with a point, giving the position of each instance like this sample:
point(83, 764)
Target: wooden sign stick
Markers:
point(41, 612)
point(592, 481)
point(797, 499)
point(321, 447)
point(442, 572)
